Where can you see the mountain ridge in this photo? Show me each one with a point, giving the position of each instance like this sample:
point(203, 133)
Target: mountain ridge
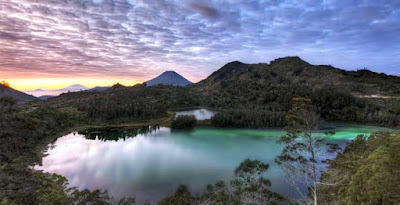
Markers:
point(294, 70)
point(168, 78)
point(20, 97)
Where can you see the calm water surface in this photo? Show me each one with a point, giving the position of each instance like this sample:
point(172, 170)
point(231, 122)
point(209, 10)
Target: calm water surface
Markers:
point(150, 163)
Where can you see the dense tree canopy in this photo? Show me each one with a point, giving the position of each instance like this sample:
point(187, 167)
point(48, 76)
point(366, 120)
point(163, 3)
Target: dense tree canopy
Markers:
point(367, 172)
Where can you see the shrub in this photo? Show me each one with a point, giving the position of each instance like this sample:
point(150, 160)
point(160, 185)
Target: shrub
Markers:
point(184, 122)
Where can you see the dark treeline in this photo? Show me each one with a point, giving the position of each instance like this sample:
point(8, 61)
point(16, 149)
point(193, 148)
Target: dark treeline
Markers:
point(121, 103)
point(242, 106)
point(249, 119)
point(184, 122)
point(341, 106)
point(334, 106)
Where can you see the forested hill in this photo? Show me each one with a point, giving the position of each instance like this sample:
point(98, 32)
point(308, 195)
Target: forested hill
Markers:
point(20, 97)
point(258, 95)
point(295, 71)
point(254, 95)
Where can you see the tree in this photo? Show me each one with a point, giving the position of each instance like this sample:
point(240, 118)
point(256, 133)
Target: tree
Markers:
point(302, 157)
point(250, 185)
point(7, 104)
point(3, 82)
point(184, 122)
point(182, 196)
point(247, 187)
point(367, 172)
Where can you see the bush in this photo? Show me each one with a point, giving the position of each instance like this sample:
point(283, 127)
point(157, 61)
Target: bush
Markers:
point(184, 122)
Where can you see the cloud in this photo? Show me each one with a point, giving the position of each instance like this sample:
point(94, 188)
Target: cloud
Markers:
point(140, 39)
point(204, 10)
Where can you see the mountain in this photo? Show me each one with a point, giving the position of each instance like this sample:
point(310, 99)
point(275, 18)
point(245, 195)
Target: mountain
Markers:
point(44, 93)
point(19, 96)
point(339, 95)
point(73, 88)
point(99, 89)
point(229, 69)
point(293, 71)
point(169, 78)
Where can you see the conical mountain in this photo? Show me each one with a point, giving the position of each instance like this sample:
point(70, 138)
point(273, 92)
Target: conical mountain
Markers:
point(73, 88)
point(169, 78)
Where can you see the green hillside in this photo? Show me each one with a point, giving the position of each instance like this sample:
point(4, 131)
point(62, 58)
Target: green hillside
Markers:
point(255, 95)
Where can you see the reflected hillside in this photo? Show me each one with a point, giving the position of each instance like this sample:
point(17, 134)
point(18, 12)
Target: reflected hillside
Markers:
point(115, 134)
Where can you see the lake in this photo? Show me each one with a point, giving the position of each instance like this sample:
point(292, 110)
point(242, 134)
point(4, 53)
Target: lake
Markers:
point(150, 162)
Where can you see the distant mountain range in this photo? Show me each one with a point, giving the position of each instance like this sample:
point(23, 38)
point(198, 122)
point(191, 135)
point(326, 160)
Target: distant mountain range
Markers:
point(73, 88)
point(169, 78)
point(268, 84)
point(21, 97)
point(44, 94)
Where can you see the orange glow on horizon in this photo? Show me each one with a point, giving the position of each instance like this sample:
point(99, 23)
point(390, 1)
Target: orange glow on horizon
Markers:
point(58, 83)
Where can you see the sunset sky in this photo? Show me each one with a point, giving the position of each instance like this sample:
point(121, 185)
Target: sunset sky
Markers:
point(56, 43)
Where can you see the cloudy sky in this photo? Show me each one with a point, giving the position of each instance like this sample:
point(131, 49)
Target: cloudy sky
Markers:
point(52, 43)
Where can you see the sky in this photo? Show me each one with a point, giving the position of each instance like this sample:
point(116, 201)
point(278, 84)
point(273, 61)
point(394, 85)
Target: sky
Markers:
point(56, 43)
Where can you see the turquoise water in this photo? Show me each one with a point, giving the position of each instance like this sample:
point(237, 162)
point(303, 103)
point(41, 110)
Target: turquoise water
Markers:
point(151, 162)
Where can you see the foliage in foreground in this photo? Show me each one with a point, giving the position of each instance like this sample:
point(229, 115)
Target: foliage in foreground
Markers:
point(302, 157)
point(248, 187)
point(367, 172)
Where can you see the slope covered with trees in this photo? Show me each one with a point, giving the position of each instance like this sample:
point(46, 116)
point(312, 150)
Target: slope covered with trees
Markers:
point(20, 97)
point(242, 91)
point(246, 89)
point(120, 103)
